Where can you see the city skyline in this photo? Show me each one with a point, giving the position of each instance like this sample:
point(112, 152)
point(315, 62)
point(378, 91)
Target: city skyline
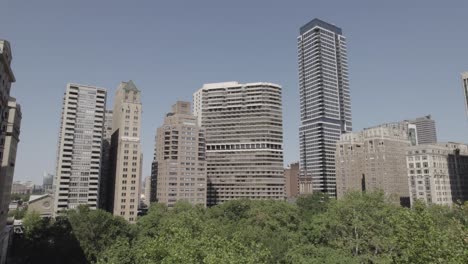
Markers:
point(373, 102)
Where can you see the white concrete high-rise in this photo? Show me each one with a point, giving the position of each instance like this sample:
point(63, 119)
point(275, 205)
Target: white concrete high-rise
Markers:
point(244, 140)
point(126, 156)
point(325, 103)
point(80, 147)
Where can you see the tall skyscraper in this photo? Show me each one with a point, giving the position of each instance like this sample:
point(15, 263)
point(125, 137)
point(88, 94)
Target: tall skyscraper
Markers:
point(325, 103)
point(373, 159)
point(465, 89)
point(79, 148)
point(426, 129)
point(180, 154)
point(244, 140)
point(126, 157)
point(9, 132)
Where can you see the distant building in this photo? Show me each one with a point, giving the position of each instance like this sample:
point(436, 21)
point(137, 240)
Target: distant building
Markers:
point(154, 180)
point(147, 190)
point(373, 159)
point(426, 128)
point(180, 155)
point(244, 140)
point(465, 89)
point(26, 188)
point(438, 173)
point(291, 175)
point(80, 147)
point(421, 130)
point(126, 156)
point(325, 103)
point(41, 204)
point(48, 183)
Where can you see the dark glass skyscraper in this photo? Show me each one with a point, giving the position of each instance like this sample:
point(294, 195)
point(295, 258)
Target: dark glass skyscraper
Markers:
point(325, 103)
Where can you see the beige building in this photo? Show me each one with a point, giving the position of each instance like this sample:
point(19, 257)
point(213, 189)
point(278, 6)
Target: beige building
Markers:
point(126, 157)
point(41, 204)
point(80, 147)
point(373, 159)
point(180, 156)
point(291, 175)
point(244, 140)
point(438, 173)
point(10, 120)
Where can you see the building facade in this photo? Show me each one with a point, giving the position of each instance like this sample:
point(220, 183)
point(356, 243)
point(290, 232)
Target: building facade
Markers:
point(6, 173)
point(291, 176)
point(147, 190)
point(106, 183)
point(79, 149)
point(126, 156)
point(180, 154)
point(438, 173)
point(325, 103)
point(244, 140)
point(373, 159)
point(154, 180)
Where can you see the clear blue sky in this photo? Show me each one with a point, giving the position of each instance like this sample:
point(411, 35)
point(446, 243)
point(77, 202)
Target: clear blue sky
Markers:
point(405, 59)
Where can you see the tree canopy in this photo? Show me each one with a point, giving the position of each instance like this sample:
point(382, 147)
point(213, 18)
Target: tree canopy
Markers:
point(360, 228)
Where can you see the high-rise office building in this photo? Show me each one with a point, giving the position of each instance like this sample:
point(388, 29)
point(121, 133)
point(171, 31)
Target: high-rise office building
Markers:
point(438, 173)
point(426, 129)
point(244, 140)
point(291, 175)
point(105, 182)
point(126, 157)
point(465, 89)
point(80, 147)
point(6, 173)
point(180, 153)
point(325, 103)
point(373, 159)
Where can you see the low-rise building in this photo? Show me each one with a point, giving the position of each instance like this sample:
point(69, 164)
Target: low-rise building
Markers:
point(41, 204)
point(438, 173)
point(373, 159)
point(291, 175)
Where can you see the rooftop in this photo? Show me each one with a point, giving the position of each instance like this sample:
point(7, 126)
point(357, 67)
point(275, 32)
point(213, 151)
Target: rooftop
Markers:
point(320, 23)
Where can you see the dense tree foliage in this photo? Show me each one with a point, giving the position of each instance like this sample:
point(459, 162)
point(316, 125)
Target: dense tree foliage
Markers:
point(360, 228)
point(19, 213)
